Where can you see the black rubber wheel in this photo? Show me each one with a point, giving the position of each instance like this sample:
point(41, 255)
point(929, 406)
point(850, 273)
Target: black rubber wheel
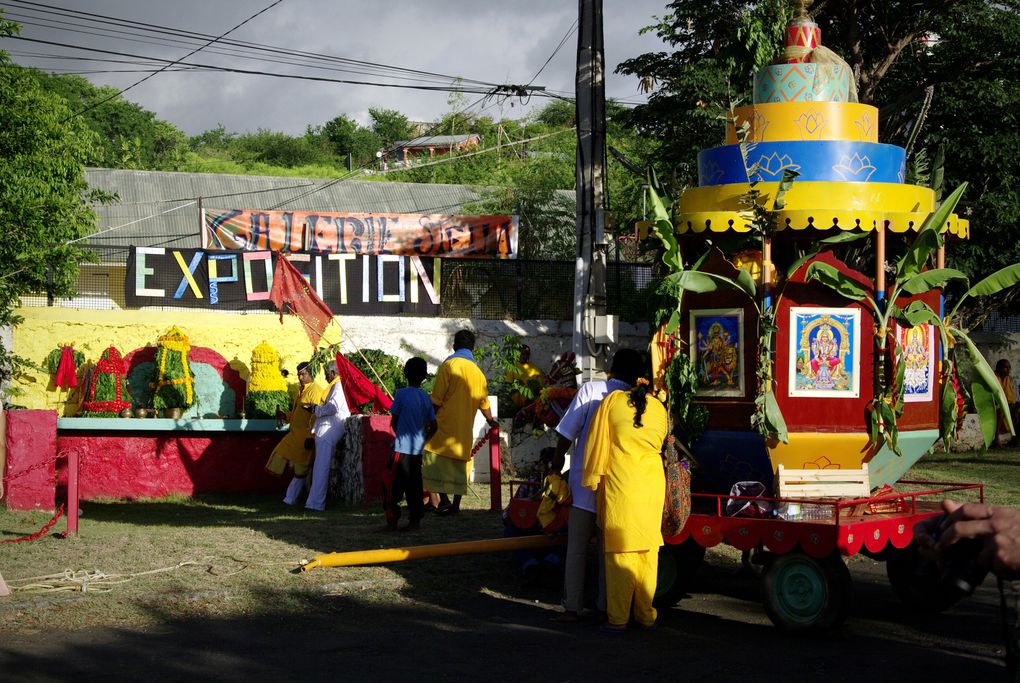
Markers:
point(677, 567)
point(803, 593)
point(917, 582)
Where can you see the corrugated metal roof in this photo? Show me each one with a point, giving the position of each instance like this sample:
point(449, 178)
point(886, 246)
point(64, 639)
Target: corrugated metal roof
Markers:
point(158, 208)
point(436, 140)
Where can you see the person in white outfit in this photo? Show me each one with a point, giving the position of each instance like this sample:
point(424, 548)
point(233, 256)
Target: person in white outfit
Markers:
point(328, 430)
point(581, 524)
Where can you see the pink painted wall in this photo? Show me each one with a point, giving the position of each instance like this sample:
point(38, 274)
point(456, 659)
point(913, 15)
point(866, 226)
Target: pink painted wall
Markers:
point(31, 452)
point(153, 464)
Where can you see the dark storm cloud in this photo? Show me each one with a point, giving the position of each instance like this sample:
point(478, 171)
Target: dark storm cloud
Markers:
point(498, 42)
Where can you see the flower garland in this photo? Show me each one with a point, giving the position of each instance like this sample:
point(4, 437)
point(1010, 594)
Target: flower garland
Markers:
point(108, 379)
point(267, 389)
point(172, 347)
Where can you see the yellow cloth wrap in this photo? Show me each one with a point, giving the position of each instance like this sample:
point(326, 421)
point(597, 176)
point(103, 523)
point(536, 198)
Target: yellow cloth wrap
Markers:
point(444, 475)
point(555, 494)
point(292, 446)
point(624, 464)
point(860, 206)
point(459, 392)
point(786, 121)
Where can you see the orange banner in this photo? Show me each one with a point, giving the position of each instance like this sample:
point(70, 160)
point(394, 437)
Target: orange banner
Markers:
point(361, 233)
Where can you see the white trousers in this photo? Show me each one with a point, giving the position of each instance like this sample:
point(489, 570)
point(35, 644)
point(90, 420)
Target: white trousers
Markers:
point(325, 445)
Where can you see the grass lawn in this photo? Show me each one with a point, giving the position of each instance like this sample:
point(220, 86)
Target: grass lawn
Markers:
point(232, 555)
point(219, 555)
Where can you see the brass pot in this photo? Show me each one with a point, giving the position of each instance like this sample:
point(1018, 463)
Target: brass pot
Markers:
point(126, 412)
point(141, 412)
point(172, 413)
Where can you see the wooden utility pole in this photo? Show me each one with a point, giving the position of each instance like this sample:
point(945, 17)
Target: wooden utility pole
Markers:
point(590, 269)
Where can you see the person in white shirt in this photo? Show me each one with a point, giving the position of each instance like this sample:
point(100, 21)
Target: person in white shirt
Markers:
point(328, 430)
point(581, 526)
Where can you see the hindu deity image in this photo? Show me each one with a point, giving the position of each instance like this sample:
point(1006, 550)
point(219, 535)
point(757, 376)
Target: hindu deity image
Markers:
point(918, 361)
point(716, 347)
point(826, 348)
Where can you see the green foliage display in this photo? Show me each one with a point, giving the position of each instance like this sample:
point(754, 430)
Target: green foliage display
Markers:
point(262, 405)
point(52, 360)
point(173, 394)
point(386, 367)
point(44, 199)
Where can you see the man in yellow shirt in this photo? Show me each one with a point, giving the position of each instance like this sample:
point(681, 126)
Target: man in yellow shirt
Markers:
point(295, 449)
point(459, 391)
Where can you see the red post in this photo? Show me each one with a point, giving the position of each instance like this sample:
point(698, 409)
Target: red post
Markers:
point(495, 483)
point(72, 491)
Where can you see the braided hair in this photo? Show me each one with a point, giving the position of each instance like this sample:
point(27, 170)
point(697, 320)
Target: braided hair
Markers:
point(631, 366)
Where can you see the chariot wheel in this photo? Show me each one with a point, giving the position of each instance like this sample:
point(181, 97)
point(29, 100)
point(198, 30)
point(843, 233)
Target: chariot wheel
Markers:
point(677, 567)
point(803, 593)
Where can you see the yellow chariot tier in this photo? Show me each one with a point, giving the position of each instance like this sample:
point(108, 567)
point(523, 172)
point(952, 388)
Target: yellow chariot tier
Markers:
point(819, 205)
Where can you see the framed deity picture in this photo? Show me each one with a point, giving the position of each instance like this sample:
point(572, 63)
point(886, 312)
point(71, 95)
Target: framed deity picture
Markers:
point(917, 345)
point(825, 352)
point(717, 351)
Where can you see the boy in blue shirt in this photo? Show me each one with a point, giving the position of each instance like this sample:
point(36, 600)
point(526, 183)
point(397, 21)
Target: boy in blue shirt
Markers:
point(414, 421)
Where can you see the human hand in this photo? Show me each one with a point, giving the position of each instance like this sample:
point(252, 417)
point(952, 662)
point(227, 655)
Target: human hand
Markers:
point(998, 528)
point(492, 422)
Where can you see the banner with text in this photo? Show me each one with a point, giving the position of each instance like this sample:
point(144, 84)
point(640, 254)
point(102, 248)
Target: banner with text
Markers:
point(350, 284)
point(402, 234)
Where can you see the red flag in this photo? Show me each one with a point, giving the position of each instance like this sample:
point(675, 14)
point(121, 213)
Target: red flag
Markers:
point(358, 389)
point(67, 373)
point(289, 287)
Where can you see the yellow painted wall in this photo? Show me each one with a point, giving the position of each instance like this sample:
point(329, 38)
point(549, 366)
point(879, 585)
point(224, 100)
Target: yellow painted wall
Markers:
point(232, 335)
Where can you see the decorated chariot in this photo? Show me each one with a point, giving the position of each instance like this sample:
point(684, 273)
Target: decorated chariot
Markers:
point(815, 326)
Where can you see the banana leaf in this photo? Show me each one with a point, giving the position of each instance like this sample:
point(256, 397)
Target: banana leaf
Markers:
point(796, 265)
point(789, 175)
point(673, 323)
point(997, 281)
point(892, 432)
point(930, 279)
point(836, 281)
point(947, 409)
point(774, 417)
point(694, 281)
point(929, 237)
point(844, 237)
point(993, 399)
point(662, 226)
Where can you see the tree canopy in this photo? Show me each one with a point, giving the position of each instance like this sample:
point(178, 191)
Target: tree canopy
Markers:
point(44, 199)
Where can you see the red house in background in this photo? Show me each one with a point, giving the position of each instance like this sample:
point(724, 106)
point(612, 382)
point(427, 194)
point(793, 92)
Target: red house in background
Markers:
point(405, 151)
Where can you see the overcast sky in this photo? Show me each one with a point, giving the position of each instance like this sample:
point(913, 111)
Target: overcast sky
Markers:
point(495, 42)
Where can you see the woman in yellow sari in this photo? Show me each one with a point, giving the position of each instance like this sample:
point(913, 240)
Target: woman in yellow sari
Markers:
point(623, 463)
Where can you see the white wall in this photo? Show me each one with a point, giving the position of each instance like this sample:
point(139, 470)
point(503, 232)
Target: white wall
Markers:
point(432, 338)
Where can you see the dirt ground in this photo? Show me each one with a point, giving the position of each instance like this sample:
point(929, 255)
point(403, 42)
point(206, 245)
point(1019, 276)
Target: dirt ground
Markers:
point(492, 628)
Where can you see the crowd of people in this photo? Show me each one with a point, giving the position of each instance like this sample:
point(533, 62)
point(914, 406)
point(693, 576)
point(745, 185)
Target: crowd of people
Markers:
point(615, 430)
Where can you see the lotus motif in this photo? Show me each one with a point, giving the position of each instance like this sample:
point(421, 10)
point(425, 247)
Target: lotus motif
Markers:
point(710, 172)
point(810, 124)
point(855, 169)
point(774, 164)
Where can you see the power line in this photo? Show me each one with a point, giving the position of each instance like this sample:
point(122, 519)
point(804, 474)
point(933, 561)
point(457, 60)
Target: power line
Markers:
point(177, 61)
point(193, 36)
point(566, 36)
point(321, 79)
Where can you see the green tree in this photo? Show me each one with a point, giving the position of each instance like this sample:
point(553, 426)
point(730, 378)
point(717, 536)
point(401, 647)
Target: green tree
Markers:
point(347, 136)
point(390, 125)
point(129, 136)
point(44, 199)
